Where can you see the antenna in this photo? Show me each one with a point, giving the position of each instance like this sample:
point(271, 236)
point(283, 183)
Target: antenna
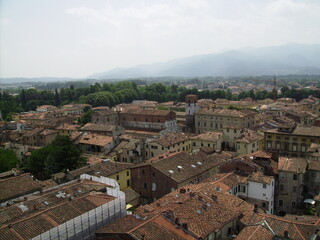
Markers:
point(274, 89)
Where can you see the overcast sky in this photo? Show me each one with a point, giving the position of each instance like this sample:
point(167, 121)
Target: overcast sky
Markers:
point(77, 38)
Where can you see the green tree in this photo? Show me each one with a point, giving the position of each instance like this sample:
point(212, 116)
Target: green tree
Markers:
point(62, 154)
point(57, 98)
point(8, 160)
point(23, 99)
point(86, 117)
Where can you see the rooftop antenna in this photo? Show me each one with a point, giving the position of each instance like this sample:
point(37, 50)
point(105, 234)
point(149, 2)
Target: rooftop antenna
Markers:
point(274, 89)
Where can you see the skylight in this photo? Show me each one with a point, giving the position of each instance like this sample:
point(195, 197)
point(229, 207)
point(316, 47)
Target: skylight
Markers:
point(200, 163)
point(171, 171)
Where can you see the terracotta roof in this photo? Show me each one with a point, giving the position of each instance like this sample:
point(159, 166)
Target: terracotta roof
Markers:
point(170, 139)
point(48, 184)
point(258, 232)
point(208, 136)
point(295, 165)
point(98, 127)
point(17, 186)
point(261, 154)
point(160, 229)
point(314, 165)
point(182, 166)
point(259, 177)
point(102, 169)
point(296, 230)
point(227, 112)
point(95, 139)
point(33, 132)
point(47, 132)
point(203, 209)
point(139, 111)
point(312, 131)
point(70, 127)
point(249, 137)
point(40, 222)
point(131, 195)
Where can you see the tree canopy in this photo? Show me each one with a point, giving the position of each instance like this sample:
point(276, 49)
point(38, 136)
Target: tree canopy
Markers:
point(8, 159)
point(61, 155)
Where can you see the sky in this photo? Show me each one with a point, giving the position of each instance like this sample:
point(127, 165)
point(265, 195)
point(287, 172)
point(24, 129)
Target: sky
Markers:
point(77, 38)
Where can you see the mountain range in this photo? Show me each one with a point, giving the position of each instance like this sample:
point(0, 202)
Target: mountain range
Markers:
point(286, 59)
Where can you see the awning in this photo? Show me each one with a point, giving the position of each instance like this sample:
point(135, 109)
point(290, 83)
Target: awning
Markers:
point(310, 201)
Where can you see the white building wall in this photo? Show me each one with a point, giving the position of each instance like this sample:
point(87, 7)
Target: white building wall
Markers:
point(190, 110)
point(256, 191)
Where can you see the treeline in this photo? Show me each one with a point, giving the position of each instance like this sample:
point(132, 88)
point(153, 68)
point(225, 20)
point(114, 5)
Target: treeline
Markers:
point(110, 94)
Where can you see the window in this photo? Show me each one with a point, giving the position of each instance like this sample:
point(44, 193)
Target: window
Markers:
point(281, 187)
point(128, 173)
point(269, 144)
point(264, 185)
point(264, 205)
point(294, 147)
point(142, 171)
point(281, 203)
point(303, 148)
point(294, 189)
point(118, 177)
point(293, 204)
point(295, 177)
point(128, 183)
point(154, 187)
point(145, 185)
point(153, 174)
point(194, 144)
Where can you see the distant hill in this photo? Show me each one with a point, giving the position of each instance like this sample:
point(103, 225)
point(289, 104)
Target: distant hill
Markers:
point(277, 60)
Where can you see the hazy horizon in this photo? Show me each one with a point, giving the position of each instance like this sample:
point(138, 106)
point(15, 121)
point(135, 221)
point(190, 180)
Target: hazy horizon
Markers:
point(75, 39)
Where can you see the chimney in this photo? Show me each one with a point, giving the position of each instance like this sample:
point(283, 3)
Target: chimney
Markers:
point(182, 190)
point(185, 226)
point(255, 208)
point(177, 221)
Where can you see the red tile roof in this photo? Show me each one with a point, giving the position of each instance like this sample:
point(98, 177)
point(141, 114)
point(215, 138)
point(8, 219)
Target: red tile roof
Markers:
point(18, 186)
